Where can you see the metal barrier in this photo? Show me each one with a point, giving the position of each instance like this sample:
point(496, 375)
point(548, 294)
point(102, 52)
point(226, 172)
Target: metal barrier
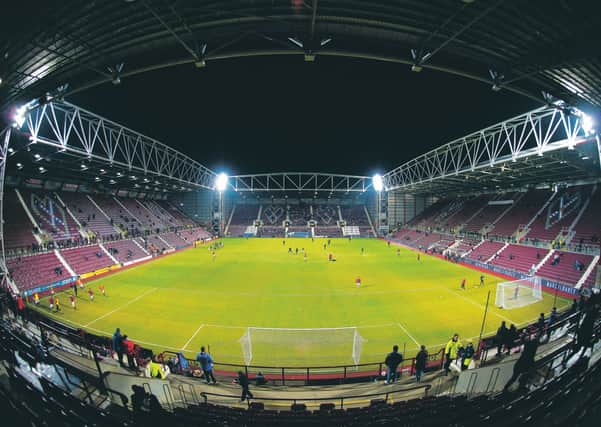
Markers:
point(341, 399)
point(312, 374)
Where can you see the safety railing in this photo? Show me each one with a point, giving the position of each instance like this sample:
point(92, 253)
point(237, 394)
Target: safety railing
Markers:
point(306, 375)
point(341, 400)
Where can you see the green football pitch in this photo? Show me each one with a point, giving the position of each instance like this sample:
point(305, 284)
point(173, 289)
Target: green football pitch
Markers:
point(188, 299)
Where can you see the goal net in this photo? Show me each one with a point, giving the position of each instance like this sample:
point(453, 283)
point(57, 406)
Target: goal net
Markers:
point(519, 293)
point(304, 346)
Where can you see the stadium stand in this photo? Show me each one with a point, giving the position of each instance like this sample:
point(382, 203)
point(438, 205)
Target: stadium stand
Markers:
point(325, 215)
point(244, 215)
point(521, 213)
point(560, 213)
point(486, 250)
point(193, 234)
point(484, 219)
point(182, 218)
point(173, 239)
point(468, 210)
point(161, 214)
point(565, 267)
point(354, 215)
point(51, 216)
point(125, 250)
point(299, 214)
point(86, 259)
point(18, 229)
point(587, 228)
point(88, 214)
point(519, 258)
point(120, 217)
point(31, 271)
point(273, 214)
point(148, 220)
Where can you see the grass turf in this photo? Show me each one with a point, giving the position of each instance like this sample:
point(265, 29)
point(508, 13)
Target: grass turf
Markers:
point(185, 300)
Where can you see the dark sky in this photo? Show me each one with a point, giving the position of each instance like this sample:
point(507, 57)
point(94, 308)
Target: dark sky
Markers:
point(281, 114)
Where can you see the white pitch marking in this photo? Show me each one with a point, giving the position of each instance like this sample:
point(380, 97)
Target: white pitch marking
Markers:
point(408, 334)
point(193, 335)
point(120, 307)
point(480, 305)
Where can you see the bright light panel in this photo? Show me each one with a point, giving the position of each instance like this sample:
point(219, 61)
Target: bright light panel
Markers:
point(221, 182)
point(378, 183)
point(588, 125)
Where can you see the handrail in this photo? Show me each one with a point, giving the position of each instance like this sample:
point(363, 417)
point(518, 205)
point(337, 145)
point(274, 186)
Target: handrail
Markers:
point(294, 400)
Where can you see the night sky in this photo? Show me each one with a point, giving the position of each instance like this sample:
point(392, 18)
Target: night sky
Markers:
point(276, 114)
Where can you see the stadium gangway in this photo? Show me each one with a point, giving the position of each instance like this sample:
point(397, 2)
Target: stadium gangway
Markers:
point(359, 398)
point(314, 374)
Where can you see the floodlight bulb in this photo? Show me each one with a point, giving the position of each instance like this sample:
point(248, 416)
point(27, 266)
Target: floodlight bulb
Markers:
point(378, 183)
point(221, 182)
point(587, 124)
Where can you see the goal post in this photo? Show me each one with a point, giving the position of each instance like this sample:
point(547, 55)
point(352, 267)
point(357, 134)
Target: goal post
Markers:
point(311, 345)
point(519, 293)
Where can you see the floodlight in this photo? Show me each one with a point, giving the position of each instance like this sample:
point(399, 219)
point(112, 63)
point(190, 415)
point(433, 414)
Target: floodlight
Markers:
point(378, 183)
point(588, 124)
point(221, 182)
point(19, 116)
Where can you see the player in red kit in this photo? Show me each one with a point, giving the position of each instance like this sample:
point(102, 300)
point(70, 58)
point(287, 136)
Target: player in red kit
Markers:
point(91, 294)
point(72, 299)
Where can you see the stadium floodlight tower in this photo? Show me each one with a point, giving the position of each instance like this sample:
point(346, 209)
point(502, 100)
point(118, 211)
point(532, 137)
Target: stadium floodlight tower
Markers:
point(221, 181)
point(378, 184)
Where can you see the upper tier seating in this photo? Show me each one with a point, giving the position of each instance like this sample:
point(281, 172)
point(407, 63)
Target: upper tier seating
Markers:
point(485, 251)
point(143, 215)
point(521, 213)
point(32, 271)
point(325, 215)
point(121, 218)
point(51, 216)
point(488, 214)
point(88, 215)
point(176, 213)
point(244, 215)
point(519, 258)
point(564, 269)
point(588, 228)
point(273, 214)
point(469, 208)
point(354, 215)
point(18, 229)
point(427, 217)
point(125, 250)
point(299, 214)
point(539, 229)
point(161, 214)
point(86, 259)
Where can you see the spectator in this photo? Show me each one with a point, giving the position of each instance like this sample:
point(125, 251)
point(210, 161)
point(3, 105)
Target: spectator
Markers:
point(524, 365)
point(540, 324)
point(451, 351)
point(243, 382)
point(206, 363)
point(117, 342)
point(260, 379)
point(129, 347)
point(468, 354)
point(501, 337)
point(420, 363)
point(511, 337)
point(392, 362)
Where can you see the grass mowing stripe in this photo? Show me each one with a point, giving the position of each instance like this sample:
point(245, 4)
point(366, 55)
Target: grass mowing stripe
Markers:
point(120, 307)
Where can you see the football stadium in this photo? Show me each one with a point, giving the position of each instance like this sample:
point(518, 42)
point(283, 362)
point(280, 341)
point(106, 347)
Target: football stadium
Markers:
point(300, 213)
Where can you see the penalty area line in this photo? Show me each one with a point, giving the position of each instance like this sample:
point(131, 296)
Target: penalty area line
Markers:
point(193, 335)
point(480, 305)
point(408, 334)
point(120, 307)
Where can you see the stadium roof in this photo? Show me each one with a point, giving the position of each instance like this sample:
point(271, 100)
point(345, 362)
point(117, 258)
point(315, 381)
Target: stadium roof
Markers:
point(525, 47)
